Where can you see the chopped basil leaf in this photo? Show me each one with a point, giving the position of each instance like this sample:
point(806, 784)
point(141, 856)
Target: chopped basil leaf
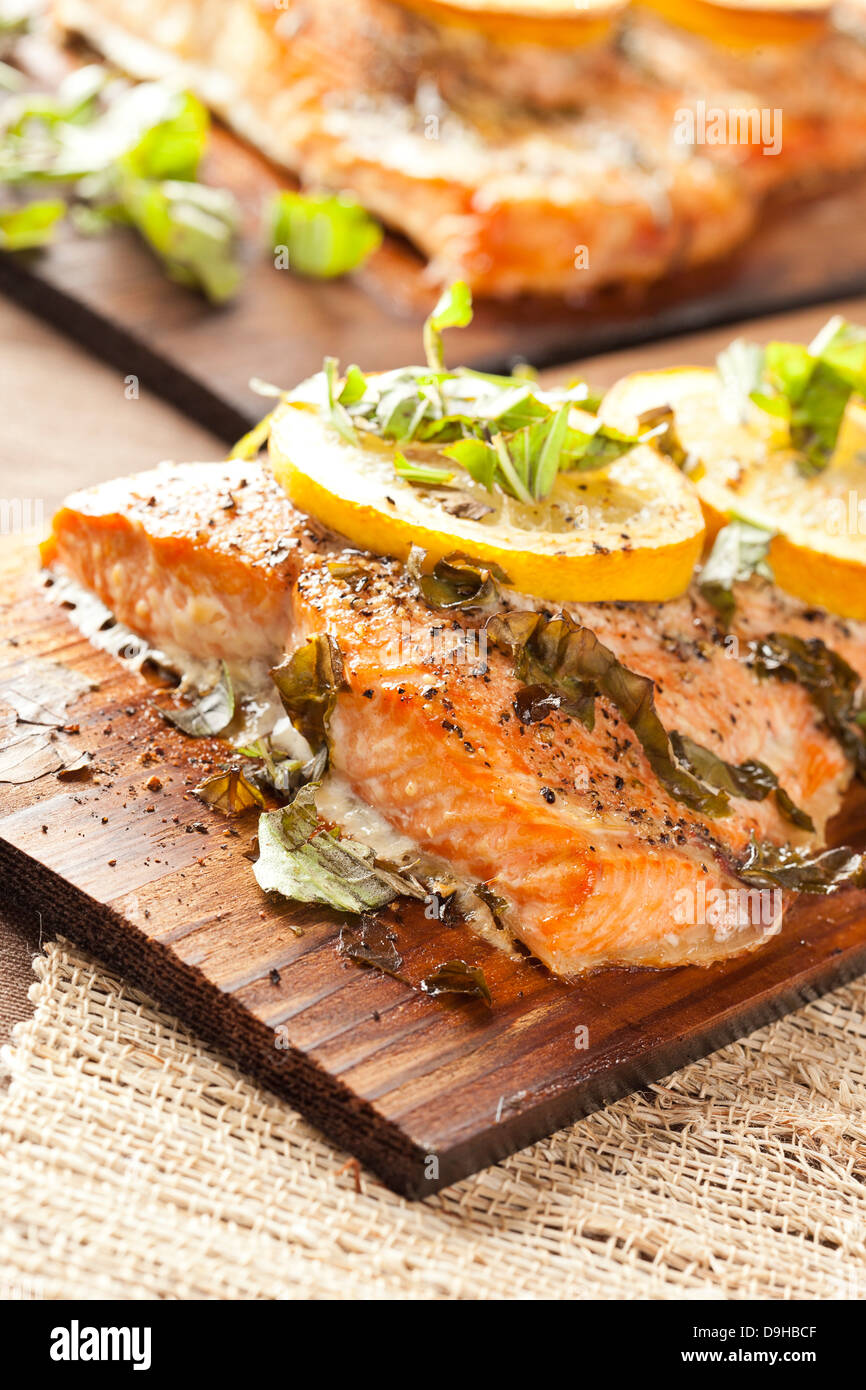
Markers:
point(22, 229)
point(326, 235)
point(456, 977)
point(229, 791)
point(305, 860)
point(208, 715)
point(454, 310)
point(131, 153)
point(308, 682)
point(191, 228)
point(422, 474)
point(739, 551)
point(809, 388)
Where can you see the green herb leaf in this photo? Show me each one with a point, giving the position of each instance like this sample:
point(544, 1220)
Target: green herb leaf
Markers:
point(456, 977)
point(454, 310)
point(174, 129)
point(739, 551)
point(192, 229)
point(807, 387)
point(336, 410)
point(422, 474)
point(354, 387)
point(308, 682)
point(326, 235)
point(301, 858)
point(209, 714)
point(21, 229)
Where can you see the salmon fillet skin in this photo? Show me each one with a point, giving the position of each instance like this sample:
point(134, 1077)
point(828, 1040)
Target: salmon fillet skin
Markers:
point(594, 861)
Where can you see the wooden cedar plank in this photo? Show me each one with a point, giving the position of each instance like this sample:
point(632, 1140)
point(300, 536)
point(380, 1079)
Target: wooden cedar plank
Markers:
point(387, 1072)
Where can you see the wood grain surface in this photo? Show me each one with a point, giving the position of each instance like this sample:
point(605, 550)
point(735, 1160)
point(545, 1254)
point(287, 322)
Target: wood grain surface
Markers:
point(111, 296)
point(424, 1091)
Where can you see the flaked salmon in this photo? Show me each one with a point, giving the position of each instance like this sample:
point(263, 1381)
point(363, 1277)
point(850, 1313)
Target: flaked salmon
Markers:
point(593, 861)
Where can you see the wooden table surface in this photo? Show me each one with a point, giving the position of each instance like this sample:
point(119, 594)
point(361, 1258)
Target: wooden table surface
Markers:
point(67, 421)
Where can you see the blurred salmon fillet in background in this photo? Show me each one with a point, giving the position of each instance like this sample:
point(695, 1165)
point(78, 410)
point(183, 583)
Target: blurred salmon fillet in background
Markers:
point(515, 163)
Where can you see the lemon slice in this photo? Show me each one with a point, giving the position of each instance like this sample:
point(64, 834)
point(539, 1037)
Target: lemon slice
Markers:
point(632, 530)
point(746, 22)
point(569, 22)
point(748, 470)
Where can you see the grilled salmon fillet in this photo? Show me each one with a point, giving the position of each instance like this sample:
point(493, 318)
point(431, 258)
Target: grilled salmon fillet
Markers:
point(492, 189)
point(593, 860)
point(811, 95)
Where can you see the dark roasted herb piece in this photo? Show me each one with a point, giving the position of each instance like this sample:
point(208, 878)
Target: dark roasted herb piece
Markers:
point(533, 703)
point(456, 977)
point(496, 905)
point(371, 942)
point(309, 681)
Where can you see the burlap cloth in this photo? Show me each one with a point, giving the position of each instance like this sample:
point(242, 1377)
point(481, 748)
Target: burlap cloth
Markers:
point(134, 1162)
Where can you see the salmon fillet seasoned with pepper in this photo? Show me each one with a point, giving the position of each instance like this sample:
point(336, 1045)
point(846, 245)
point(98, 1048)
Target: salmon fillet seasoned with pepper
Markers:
point(594, 860)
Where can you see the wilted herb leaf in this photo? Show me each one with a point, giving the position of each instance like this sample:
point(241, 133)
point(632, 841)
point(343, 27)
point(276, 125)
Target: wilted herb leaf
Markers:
point(457, 581)
point(209, 714)
point(805, 871)
point(229, 791)
point(456, 977)
point(832, 684)
point(570, 660)
point(753, 780)
point(305, 860)
point(308, 682)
